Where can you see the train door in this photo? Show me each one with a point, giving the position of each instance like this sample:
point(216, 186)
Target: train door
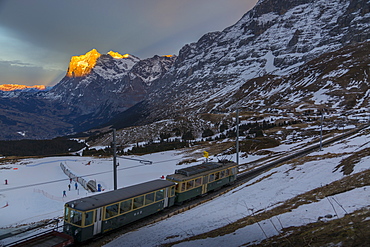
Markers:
point(204, 185)
point(167, 194)
point(98, 221)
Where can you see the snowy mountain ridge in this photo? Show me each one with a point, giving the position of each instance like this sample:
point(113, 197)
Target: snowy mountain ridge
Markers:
point(109, 79)
point(275, 38)
point(270, 60)
point(95, 88)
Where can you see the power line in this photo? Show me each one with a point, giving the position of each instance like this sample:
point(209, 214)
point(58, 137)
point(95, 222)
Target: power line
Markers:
point(163, 161)
point(32, 185)
point(87, 175)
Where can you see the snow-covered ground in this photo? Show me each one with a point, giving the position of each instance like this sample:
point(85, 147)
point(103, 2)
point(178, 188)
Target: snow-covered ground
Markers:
point(35, 192)
point(284, 182)
point(34, 189)
point(35, 186)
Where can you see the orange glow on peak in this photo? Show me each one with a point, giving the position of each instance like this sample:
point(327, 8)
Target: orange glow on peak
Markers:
point(82, 65)
point(117, 55)
point(167, 56)
point(12, 87)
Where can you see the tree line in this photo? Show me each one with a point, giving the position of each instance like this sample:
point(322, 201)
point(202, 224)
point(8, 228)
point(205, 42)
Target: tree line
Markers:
point(39, 147)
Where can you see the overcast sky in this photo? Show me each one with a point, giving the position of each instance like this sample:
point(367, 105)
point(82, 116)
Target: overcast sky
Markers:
point(38, 37)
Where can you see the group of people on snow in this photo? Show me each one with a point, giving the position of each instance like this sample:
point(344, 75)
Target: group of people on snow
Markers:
point(69, 187)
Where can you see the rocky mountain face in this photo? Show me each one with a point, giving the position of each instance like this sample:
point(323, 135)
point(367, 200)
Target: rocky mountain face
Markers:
point(110, 82)
point(337, 81)
point(15, 87)
point(96, 87)
point(274, 40)
point(281, 56)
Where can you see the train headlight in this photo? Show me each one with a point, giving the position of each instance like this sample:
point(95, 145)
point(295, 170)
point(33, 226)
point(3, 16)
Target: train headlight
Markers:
point(77, 231)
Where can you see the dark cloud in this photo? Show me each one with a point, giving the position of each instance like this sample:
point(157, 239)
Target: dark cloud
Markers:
point(53, 30)
point(18, 72)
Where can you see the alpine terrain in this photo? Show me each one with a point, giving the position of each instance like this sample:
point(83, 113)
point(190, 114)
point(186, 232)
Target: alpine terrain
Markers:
point(290, 79)
point(282, 56)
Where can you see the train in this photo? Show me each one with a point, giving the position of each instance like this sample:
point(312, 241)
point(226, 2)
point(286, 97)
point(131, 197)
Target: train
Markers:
point(87, 217)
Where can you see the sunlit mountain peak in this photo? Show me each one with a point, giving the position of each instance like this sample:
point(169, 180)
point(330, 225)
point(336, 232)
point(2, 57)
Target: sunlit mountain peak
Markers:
point(117, 55)
point(12, 87)
point(83, 64)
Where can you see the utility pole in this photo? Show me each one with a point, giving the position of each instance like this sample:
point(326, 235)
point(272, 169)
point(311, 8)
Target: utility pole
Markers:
point(237, 137)
point(322, 116)
point(114, 159)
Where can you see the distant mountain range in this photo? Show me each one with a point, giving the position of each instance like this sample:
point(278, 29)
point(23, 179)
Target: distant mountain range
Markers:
point(16, 87)
point(281, 56)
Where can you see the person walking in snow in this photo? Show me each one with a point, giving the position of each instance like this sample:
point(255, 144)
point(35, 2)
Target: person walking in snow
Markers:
point(76, 185)
point(6, 181)
point(69, 187)
point(64, 193)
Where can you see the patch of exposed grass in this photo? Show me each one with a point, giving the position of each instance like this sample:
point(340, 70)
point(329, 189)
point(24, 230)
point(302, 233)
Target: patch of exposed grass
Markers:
point(348, 163)
point(250, 145)
point(214, 118)
point(186, 161)
point(9, 160)
point(351, 230)
point(213, 148)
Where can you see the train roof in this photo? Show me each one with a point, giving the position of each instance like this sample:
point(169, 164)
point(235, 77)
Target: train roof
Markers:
point(105, 198)
point(199, 170)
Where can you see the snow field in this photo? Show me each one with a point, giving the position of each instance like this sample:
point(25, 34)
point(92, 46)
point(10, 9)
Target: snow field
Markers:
point(35, 188)
point(281, 183)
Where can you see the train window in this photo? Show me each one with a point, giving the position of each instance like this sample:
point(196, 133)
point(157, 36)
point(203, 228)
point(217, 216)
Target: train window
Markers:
point(138, 202)
point(66, 214)
point(159, 195)
point(183, 186)
point(76, 217)
point(126, 206)
point(149, 198)
point(211, 177)
point(217, 175)
point(111, 211)
point(227, 172)
point(205, 179)
point(234, 170)
point(198, 182)
point(172, 193)
point(178, 187)
point(190, 184)
point(89, 218)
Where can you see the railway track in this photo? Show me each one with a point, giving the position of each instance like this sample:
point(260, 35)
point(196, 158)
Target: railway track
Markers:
point(243, 177)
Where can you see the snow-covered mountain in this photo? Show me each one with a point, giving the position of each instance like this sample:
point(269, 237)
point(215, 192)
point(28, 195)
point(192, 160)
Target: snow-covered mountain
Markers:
point(282, 55)
point(95, 88)
point(252, 64)
point(111, 81)
point(16, 88)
